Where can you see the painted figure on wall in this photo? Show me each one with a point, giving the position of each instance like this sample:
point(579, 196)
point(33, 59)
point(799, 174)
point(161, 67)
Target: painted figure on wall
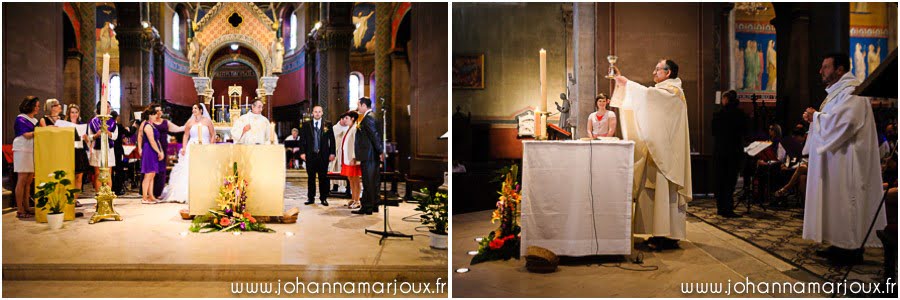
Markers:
point(752, 66)
point(362, 27)
point(874, 58)
point(739, 66)
point(771, 66)
point(107, 39)
point(859, 62)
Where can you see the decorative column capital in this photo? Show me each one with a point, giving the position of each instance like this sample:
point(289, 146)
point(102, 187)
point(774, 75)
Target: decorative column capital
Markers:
point(268, 85)
point(201, 84)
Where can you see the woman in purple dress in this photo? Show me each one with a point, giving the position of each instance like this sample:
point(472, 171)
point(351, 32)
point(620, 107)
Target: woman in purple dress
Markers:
point(164, 127)
point(23, 154)
point(151, 154)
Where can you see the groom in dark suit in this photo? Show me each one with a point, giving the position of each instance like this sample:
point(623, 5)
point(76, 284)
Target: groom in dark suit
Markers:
point(317, 150)
point(368, 151)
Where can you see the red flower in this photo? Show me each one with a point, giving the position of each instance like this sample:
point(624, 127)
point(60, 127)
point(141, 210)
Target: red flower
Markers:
point(225, 222)
point(497, 244)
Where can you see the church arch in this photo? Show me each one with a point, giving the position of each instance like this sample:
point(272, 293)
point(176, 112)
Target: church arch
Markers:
point(226, 41)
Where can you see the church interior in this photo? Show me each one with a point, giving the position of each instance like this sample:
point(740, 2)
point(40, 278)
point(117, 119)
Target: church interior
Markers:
point(508, 57)
point(290, 56)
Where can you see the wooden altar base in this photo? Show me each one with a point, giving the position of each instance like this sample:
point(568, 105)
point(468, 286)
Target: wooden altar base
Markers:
point(153, 246)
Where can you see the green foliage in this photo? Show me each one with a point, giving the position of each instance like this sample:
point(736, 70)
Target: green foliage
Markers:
point(434, 211)
point(55, 194)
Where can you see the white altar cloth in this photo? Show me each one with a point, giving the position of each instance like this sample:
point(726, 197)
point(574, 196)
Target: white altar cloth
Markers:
point(559, 211)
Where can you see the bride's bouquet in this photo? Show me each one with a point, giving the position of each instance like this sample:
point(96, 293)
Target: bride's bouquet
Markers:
point(232, 214)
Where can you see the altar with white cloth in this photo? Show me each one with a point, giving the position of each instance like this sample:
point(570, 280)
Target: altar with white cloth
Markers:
point(577, 197)
point(262, 166)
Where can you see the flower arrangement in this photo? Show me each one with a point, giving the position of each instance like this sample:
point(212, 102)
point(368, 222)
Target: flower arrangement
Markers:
point(434, 211)
point(503, 243)
point(232, 214)
point(54, 194)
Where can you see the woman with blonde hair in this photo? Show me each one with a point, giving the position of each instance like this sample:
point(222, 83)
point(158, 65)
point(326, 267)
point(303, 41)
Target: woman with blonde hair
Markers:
point(52, 109)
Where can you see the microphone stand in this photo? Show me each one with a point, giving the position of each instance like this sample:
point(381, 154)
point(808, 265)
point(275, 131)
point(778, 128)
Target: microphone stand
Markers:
point(385, 233)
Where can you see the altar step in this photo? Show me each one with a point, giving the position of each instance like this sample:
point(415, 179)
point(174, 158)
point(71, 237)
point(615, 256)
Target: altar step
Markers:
point(222, 272)
point(296, 175)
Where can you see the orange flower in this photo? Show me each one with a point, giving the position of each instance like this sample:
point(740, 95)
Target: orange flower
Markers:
point(225, 222)
point(215, 221)
point(252, 220)
point(246, 215)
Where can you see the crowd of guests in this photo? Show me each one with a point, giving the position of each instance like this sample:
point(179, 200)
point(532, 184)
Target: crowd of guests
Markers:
point(350, 148)
point(86, 147)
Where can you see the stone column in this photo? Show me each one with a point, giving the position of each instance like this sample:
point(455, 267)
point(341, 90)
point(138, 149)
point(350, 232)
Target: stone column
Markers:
point(132, 57)
point(88, 91)
point(383, 13)
point(806, 33)
point(584, 38)
point(72, 81)
point(333, 58)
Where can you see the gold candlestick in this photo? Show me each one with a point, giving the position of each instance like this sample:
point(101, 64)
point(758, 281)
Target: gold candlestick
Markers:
point(105, 195)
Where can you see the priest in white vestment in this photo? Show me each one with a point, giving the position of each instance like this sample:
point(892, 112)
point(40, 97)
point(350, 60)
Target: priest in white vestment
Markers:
point(843, 189)
point(252, 128)
point(655, 118)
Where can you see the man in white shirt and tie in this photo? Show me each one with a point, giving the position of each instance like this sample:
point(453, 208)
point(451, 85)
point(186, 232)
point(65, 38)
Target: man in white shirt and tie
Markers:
point(252, 128)
point(317, 150)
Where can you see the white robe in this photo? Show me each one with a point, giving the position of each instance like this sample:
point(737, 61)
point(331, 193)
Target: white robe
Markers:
point(656, 120)
point(843, 187)
point(260, 130)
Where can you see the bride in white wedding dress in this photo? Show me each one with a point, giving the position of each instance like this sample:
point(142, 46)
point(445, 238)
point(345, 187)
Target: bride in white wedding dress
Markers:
point(200, 131)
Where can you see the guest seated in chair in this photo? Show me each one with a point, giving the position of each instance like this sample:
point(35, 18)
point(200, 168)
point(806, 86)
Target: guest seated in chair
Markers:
point(795, 163)
point(769, 162)
point(293, 154)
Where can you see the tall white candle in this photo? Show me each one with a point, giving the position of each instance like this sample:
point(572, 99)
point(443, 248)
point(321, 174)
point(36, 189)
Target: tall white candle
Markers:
point(246, 100)
point(104, 85)
point(543, 104)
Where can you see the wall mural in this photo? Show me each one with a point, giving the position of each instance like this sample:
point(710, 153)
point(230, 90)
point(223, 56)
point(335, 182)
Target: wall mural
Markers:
point(106, 36)
point(364, 35)
point(753, 55)
point(868, 37)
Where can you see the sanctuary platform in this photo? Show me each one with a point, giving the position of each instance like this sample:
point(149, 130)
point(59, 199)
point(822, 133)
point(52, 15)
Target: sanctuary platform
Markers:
point(153, 254)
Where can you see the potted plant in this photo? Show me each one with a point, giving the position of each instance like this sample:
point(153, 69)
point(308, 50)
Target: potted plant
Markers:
point(434, 216)
point(53, 195)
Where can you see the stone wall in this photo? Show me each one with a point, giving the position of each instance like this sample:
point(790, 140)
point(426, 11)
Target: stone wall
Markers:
point(32, 62)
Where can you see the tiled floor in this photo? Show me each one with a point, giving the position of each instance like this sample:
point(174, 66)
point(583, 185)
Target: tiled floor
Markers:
point(709, 255)
point(154, 235)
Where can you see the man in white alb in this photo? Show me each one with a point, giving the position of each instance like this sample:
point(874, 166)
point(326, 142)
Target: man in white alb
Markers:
point(843, 187)
point(655, 118)
point(252, 128)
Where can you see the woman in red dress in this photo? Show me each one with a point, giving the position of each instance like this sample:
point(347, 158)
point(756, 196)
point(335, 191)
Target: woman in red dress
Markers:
point(346, 156)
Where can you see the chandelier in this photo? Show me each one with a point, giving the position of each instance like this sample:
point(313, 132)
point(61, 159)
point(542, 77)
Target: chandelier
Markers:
point(751, 8)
